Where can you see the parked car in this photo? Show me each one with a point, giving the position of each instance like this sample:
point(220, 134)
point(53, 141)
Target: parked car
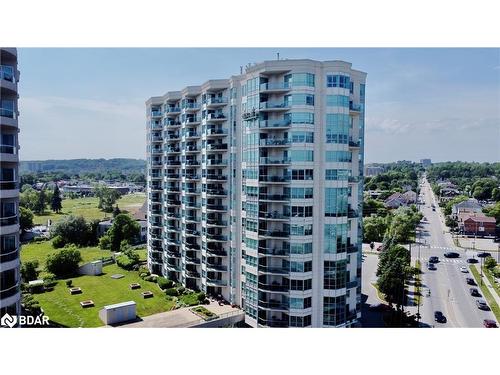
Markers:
point(433, 208)
point(481, 304)
point(483, 254)
point(439, 317)
point(472, 260)
point(464, 269)
point(474, 292)
point(431, 267)
point(488, 323)
point(451, 254)
point(433, 259)
point(470, 281)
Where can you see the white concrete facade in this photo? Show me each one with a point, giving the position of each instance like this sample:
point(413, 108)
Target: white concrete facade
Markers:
point(9, 184)
point(293, 187)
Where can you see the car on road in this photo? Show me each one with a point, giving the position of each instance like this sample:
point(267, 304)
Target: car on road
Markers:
point(433, 259)
point(431, 267)
point(472, 260)
point(439, 317)
point(470, 281)
point(464, 269)
point(489, 323)
point(474, 292)
point(483, 254)
point(451, 254)
point(433, 208)
point(481, 304)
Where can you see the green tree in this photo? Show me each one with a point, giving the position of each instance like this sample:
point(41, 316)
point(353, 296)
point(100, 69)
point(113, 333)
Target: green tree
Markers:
point(490, 263)
point(56, 202)
point(40, 203)
point(73, 230)
point(123, 228)
point(105, 242)
point(493, 211)
point(64, 262)
point(107, 197)
point(393, 271)
point(116, 211)
point(25, 219)
point(28, 198)
point(29, 270)
point(374, 229)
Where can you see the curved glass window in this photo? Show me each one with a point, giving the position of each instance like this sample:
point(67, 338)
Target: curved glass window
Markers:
point(338, 156)
point(338, 80)
point(300, 79)
point(299, 99)
point(337, 101)
point(336, 201)
point(302, 155)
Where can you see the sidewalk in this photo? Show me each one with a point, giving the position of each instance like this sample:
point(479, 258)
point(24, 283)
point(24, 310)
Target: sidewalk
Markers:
point(489, 286)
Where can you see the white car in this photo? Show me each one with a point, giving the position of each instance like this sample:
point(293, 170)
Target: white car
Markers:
point(464, 269)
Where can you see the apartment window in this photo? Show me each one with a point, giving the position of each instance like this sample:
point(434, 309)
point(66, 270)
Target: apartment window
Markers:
point(302, 174)
point(336, 201)
point(251, 226)
point(251, 243)
point(252, 209)
point(252, 191)
point(301, 230)
point(334, 310)
point(337, 101)
point(301, 248)
point(301, 284)
point(250, 260)
point(335, 238)
point(300, 303)
point(299, 99)
point(301, 266)
point(299, 193)
point(351, 87)
point(7, 108)
point(302, 137)
point(302, 211)
point(300, 117)
point(334, 275)
point(302, 155)
point(337, 174)
point(338, 80)
point(300, 321)
point(338, 156)
point(300, 79)
point(362, 92)
point(251, 279)
point(337, 128)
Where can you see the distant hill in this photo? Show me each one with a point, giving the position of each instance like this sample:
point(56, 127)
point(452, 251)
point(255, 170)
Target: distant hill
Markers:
point(79, 166)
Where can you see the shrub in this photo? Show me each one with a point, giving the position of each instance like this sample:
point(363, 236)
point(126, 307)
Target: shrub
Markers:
point(73, 230)
point(164, 283)
point(64, 263)
point(143, 269)
point(171, 292)
point(105, 242)
point(58, 242)
point(148, 278)
point(142, 275)
point(49, 281)
point(124, 262)
point(29, 270)
point(69, 283)
point(490, 263)
point(201, 297)
point(181, 290)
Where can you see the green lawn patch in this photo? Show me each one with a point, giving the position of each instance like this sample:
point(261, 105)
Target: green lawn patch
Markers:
point(65, 309)
point(204, 313)
point(190, 299)
point(418, 283)
point(486, 293)
point(491, 279)
point(87, 207)
point(40, 250)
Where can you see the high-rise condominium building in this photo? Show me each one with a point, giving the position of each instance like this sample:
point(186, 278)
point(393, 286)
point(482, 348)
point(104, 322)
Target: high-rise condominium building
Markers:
point(9, 184)
point(255, 190)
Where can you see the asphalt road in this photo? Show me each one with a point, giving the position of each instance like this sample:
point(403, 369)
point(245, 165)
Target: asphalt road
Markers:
point(449, 292)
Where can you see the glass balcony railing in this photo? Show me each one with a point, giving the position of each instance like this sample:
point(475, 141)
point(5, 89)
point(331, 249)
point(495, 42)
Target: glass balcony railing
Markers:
point(6, 112)
point(216, 131)
point(216, 162)
point(216, 207)
point(173, 109)
point(273, 105)
point(274, 124)
point(222, 223)
point(275, 86)
point(274, 215)
point(216, 282)
point(156, 113)
point(274, 251)
point(8, 149)
point(8, 220)
point(274, 197)
point(274, 161)
point(274, 179)
point(216, 101)
point(274, 287)
point(273, 233)
point(354, 107)
point(215, 116)
point(216, 177)
point(274, 142)
point(217, 146)
point(7, 73)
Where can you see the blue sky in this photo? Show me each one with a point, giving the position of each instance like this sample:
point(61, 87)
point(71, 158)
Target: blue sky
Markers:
point(89, 103)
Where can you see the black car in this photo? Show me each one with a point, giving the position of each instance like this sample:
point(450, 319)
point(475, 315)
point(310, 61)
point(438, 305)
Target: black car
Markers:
point(451, 254)
point(433, 259)
point(431, 267)
point(481, 304)
point(439, 317)
point(470, 281)
point(472, 260)
point(484, 254)
point(474, 292)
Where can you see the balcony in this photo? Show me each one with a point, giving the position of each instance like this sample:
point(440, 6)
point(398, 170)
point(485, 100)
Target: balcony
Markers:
point(192, 135)
point(274, 179)
point(171, 267)
point(156, 138)
point(216, 117)
point(354, 144)
point(172, 137)
point(172, 215)
point(156, 187)
point(172, 176)
point(172, 189)
point(172, 150)
point(216, 102)
point(172, 123)
point(274, 287)
point(351, 214)
point(216, 282)
point(216, 193)
point(6, 112)
point(173, 228)
point(274, 323)
point(191, 260)
point(155, 224)
point(192, 205)
point(216, 267)
point(353, 179)
point(274, 251)
point(156, 212)
point(216, 252)
point(7, 73)
point(192, 232)
point(192, 191)
point(275, 162)
point(216, 207)
point(191, 177)
point(172, 162)
point(173, 202)
point(216, 163)
point(273, 216)
point(173, 110)
point(216, 147)
point(273, 107)
point(216, 133)
point(173, 254)
point(216, 237)
point(273, 305)
point(274, 87)
point(273, 270)
point(275, 124)
point(191, 246)
point(189, 149)
point(276, 234)
point(8, 220)
point(191, 107)
point(274, 197)
point(216, 223)
point(192, 121)
point(156, 163)
point(274, 143)
point(192, 274)
point(192, 219)
point(216, 177)
point(354, 108)
point(156, 113)
point(172, 241)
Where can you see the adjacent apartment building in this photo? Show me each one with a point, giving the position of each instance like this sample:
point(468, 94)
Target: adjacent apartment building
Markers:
point(255, 190)
point(9, 184)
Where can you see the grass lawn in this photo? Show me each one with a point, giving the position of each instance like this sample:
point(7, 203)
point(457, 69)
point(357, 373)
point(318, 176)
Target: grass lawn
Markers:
point(40, 250)
point(418, 283)
point(486, 293)
point(491, 279)
point(65, 309)
point(87, 207)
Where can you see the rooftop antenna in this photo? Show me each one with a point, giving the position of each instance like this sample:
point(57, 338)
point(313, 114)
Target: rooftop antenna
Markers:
point(277, 55)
